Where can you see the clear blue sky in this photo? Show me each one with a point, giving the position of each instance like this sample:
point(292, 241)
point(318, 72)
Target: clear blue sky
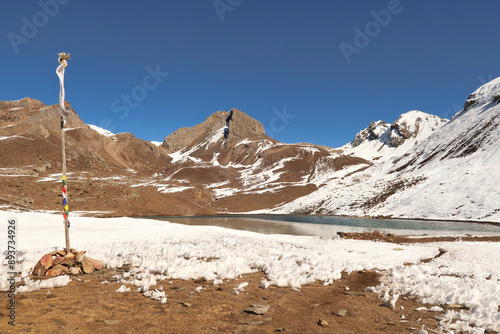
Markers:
point(263, 56)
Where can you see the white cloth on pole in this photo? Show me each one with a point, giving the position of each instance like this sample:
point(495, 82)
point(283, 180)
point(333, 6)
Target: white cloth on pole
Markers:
point(60, 74)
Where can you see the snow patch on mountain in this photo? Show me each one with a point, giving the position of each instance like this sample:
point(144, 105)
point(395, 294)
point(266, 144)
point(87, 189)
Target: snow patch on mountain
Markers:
point(13, 137)
point(186, 153)
point(102, 131)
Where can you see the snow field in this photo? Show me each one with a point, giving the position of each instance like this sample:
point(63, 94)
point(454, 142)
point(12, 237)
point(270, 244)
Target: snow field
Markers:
point(467, 273)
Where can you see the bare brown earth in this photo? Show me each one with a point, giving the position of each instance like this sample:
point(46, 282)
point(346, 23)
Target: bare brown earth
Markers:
point(379, 236)
point(87, 306)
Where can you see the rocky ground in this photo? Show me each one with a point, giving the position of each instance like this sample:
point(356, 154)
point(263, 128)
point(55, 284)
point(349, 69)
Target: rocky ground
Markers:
point(87, 305)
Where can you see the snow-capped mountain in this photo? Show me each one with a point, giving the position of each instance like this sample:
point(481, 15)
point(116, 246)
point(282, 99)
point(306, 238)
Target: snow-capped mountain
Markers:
point(419, 166)
point(460, 163)
point(382, 141)
point(447, 170)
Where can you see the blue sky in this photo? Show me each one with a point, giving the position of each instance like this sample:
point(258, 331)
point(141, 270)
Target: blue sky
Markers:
point(279, 61)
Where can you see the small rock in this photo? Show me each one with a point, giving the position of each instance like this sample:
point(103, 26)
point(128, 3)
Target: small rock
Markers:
point(57, 270)
point(43, 264)
point(322, 322)
point(61, 252)
point(341, 313)
point(80, 256)
point(186, 304)
point(75, 270)
point(57, 260)
point(67, 260)
point(181, 289)
point(315, 305)
point(355, 294)
point(97, 264)
point(253, 322)
point(281, 329)
point(268, 319)
point(257, 309)
point(52, 305)
point(111, 322)
point(88, 266)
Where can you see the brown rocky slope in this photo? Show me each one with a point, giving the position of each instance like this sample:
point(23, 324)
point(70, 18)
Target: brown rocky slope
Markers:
point(226, 163)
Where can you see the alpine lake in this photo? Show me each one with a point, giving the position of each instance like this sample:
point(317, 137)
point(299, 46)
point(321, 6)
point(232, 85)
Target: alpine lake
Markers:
point(327, 226)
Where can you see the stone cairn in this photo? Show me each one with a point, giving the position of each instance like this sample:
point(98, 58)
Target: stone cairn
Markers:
point(61, 262)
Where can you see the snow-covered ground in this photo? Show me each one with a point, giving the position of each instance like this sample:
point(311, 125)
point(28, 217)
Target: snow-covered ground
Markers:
point(467, 273)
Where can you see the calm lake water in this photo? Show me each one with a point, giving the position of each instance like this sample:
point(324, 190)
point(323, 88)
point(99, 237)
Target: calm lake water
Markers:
point(330, 225)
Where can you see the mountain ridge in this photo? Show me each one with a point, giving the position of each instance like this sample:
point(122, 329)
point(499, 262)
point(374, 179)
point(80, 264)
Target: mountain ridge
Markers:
point(411, 168)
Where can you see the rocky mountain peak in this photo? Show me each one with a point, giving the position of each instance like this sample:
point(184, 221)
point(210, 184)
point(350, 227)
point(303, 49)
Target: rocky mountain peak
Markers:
point(243, 126)
point(231, 126)
point(373, 132)
point(487, 93)
point(410, 124)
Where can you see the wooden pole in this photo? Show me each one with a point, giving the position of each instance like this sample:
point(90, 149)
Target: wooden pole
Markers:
point(63, 61)
point(65, 185)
